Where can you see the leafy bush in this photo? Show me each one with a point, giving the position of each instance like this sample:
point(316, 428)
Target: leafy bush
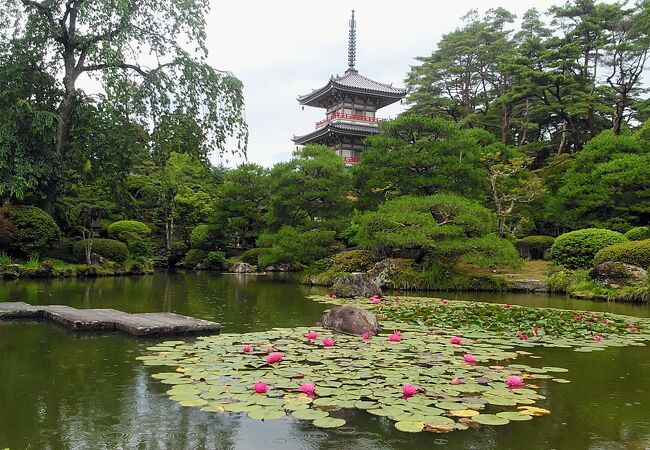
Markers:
point(534, 246)
point(177, 252)
point(61, 250)
point(4, 258)
point(129, 226)
point(139, 248)
point(6, 228)
point(250, 256)
point(353, 261)
point(193, 258)
point(636, 253)
point(576, 249)
point(214, 260)
point(638, 234)
point(107, 248)
point(295, 246)
point(206, 237)
point(33, 228)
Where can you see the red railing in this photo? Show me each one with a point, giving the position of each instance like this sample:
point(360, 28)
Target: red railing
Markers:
point(351, 159)
point(357, 117)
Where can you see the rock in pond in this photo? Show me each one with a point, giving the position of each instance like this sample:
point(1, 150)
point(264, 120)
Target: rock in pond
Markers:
point(350, 319)
point(616, 274)
point(356, 284)
point(242, 267)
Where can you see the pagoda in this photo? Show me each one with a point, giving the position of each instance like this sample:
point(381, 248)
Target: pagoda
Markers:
point(351, 102)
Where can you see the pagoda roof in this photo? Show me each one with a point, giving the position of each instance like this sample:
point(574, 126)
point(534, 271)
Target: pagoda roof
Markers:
point(336, 128)
point(355, 83)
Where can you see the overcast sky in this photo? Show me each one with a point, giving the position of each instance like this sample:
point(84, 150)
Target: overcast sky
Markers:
point(280, 49)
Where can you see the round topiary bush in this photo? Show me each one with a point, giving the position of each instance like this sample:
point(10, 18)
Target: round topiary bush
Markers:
point(534, 247)
point(636, 253)
point(106, 248)
point(576, 249)
point(193, 258)
point(638, 234)
point(206, 237)
point(250, 256)
point(129, 226)
point(214, 260)
point(33, 229)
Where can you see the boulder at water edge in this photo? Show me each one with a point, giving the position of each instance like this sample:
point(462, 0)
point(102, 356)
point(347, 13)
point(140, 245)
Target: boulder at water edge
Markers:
point(616, 274)
point(350, 319)
point(356, 284)
point(242, 267)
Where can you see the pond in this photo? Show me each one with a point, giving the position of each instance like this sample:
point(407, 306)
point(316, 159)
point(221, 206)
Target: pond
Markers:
point(65, 390)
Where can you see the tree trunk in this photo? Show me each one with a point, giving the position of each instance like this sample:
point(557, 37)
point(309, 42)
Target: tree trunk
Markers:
point(618, 115)
point(505, 122)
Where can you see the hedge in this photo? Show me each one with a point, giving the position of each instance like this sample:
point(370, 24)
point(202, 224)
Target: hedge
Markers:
point(250, 256)
point(193, 258)
point(106, 248)
point(576, 249)
point(638, 234)
point(214, 260)
point(129, 226)
point(534, 247)
point(33, 228)
point(206, 237)
point(636, 253)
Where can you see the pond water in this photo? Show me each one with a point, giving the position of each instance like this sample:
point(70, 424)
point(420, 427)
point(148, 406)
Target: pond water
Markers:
point(81, 391)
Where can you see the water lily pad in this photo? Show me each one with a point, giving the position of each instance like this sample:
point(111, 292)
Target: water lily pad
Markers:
point(463, 413)
point(328, 422)
point(265, 413)
point(490, 419)
point(514, 416)
point(410, 426)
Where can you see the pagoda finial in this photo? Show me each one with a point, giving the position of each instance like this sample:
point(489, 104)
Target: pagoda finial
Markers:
point(352, 43)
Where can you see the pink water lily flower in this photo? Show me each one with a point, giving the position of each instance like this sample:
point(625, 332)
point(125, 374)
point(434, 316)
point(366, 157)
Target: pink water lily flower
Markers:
point(274, 357)
point(332, 295)
point(308, 388)
point(535, 330)
point(395, 337)
point(456, 380)
point(469, 358)
point(312, 335)
point(589, 324)
point(246, 348)
point(455, 340)
point(397, 297)
point(444, 302)
point(633, 330)
point(597, 338)
point(260, 387)
point(375, 300)
point(522, 336)
point(328, 342)
point(409, 390)
point(366, 335)
point(514, 382)
point(607, 321)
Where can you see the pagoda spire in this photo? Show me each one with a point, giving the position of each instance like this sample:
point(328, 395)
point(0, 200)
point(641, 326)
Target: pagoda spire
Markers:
point(352, 43)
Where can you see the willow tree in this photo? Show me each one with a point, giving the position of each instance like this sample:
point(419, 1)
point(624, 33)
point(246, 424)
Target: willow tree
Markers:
point(148, 55)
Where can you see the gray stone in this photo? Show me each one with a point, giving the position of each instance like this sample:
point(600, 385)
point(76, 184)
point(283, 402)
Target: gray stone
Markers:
point(527, 285)
point(382, 272)
point(356, 284)
point(350, 319)
point(616, 274)
point(242, 267)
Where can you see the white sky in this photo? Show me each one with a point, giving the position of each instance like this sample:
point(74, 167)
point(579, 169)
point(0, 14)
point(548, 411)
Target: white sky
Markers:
point(281, 49)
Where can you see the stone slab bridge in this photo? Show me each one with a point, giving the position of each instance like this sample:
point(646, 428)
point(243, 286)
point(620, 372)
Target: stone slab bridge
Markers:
point(99, 320)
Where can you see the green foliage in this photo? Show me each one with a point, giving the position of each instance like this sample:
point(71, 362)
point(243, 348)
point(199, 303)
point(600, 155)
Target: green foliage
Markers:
point(214, 260)
point(636, 253)
point(4, 258)
point(638, 233)
point(34, 261)
point(107, 248)
point(193, 258)
point(177, 253)
point(206, 237)
point(353, 261)
point(535, 246)
point(33, 229)
point(251, 256)
point(576, 249)
point(61, 250)
point(294, 246)
point(561, 280)
point(139, 248)
point(129, 226)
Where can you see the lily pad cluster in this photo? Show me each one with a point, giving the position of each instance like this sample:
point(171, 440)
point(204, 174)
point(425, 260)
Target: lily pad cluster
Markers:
point(549, 327)
point(219, 373)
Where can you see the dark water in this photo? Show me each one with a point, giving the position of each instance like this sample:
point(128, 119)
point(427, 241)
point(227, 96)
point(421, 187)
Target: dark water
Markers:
point(64, 390)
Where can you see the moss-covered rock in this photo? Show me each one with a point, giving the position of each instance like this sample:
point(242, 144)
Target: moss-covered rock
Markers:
point(356, 285)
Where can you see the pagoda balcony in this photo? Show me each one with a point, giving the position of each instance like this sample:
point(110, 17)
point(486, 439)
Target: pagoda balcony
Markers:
point(352, 117)
point(351, 159)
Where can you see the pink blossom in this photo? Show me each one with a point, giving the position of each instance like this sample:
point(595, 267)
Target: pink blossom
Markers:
point(455, 340)
point(397, 297)
point(260, 387)
point(274, 357)
point(514, 382)
point(597, 338)
point(308, 388)
point(328, 342)
point(455, 381)
point(395, 337)
point(366, 335)
point(607, 321)
point(332, 295)
point(246, 348)
point(375, 300)
point(444, 302)
point(629, 324)
point(577, 317)
point(312, 335)
point(593, 314)
point(409, 390)
point(535, 330)
point(633, 330)
point(469, 358)
point(589, 324)
point(522, 336)
point(506, 306)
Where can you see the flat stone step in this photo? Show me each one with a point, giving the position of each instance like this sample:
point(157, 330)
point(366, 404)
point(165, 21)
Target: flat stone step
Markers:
point(143, 324)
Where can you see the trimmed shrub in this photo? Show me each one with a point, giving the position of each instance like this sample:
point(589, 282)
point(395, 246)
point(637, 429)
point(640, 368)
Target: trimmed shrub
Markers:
point(636, 253)
point(214, 260)
point(129, 226)
point(193, 258)
point(33, 229)
point(177, 252)
point(534, 247)
point(106, 248)
point(250, 256)
point(206, 237)
point(61, 250)
point(353, 261)
point(638, 234)
point(139, 248)
point(576, 249)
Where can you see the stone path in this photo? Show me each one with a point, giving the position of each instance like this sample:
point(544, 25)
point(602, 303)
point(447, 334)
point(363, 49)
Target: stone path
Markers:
point(144, 324)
